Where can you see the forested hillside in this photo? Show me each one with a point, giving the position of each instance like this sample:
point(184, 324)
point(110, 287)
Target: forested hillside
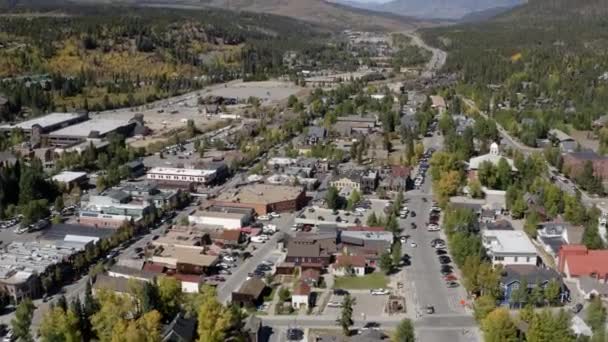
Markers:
point(545, 61)
point(103, 57)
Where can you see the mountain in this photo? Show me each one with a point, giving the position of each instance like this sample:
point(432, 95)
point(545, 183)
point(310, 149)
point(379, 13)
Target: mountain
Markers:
point(558, 10)
point(331, 15)
point(436, 9)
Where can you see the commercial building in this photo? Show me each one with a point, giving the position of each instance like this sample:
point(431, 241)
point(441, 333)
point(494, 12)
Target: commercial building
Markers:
point(45, 124)
point(250, 293)
point(181, 177)
point(110, 207)
point(264, 198)
point(184, 260)
point(364, 181)
point(70, 179)
point(96, 128)
point(509, 247)
point(225, 217)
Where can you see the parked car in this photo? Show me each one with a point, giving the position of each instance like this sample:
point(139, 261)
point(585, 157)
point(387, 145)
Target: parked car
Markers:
point(451, 284)
point(334, 304)
point(450, 277)
point(340, 292)
point(274, 215)
point(577, 308)
point(258, 239)
point(379, 292)
point(264, 218)
point(430, 309)
point(413, 244)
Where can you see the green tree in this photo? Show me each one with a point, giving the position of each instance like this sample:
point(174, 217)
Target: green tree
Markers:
point(503, 174)
point(448, 185)
point(214, 320)
point(372, 220)
point(355, 197)
point(520, 296)
point(113, 309)
point(536, 295)
point(22, 322)
point(475, 189)
point(170, 296)
point(596, 315)
point(483, 306)
point(499, 327)
point(396, 253)
point(546, 326)
point(404, 332)
point(552, 292)
point(332, 198)
point(58, 206)
point(284, 294)
point(60, 325)
point(345, 320)
point(386, 262)
point(487, 174)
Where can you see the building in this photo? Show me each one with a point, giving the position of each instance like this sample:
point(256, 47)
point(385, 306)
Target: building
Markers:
point(70, 179)
point(310, 276)
point(577, 261)
point(114, 202)
point(184, 178)
point(181, 329)
point(438, 103)
point(354, 125)
point(96, 128)
point(364, 181)
point(493, 157)
point(39, 127)
point(600, 123)
point(574, 164)
point(316, 135)
point(184, 259)
point(376, 240)
point(101, 220)
point(263, 198)
point(309, 250)
point(149, 192)
point(514, 275)
point(396, 178)
point(553, 235)
point(250, 294)
point(347, 265)
point(225, 217)
point(300, 297)
point(509, 247)
point(119, 285)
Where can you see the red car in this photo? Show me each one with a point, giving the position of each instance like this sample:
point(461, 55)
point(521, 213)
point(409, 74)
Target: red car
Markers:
point(450, 277)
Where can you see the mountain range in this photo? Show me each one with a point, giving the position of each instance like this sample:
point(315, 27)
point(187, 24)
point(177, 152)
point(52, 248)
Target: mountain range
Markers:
point(437, 9)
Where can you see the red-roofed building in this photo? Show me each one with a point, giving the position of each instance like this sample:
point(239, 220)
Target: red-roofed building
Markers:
point(577, 261)
point(311, 276)
point(349, 265)
point(301, 295)
point(230, 238)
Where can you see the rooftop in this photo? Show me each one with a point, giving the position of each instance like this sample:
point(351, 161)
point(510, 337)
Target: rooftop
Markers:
point(368, 235)
point(84, 129)
point(219, 214)
point(350, 260)
point(581, 261)
point(531, 273)
point(186, 255)
point(253, 287)
point(260, 193)
point(68, 176)
point(301, 289)
point(508, 241)
point(44, 121)
point(181, 172)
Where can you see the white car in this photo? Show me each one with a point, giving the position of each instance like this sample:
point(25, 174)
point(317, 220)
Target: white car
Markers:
point(274, 215)
point(403, 239)
point(436, 208)
point(258, 239)
point(413, 244)
point(334, 304)
point(264, 218)
point(265, 237)
point(379, 292)
point(432, 228)
point(229, 258)
point(439, 246)
point(359, 209)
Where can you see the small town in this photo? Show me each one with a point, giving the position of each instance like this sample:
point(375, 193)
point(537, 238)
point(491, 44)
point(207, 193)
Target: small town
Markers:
point(264, 180)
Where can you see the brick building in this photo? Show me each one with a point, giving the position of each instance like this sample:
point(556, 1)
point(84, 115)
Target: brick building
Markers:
point(264, 198)
point(574, 163)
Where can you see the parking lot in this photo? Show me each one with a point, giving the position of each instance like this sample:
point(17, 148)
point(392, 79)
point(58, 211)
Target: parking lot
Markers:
point(366, 304)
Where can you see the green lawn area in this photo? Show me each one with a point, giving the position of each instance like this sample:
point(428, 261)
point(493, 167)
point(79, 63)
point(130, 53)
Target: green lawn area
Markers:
point(370, 281)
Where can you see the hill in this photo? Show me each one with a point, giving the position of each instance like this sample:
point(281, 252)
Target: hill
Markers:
point(321, 12)
point(544, 61)
point(436, 9)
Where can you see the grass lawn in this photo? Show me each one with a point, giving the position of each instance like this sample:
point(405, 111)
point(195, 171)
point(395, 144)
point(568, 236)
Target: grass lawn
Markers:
point(370, 281)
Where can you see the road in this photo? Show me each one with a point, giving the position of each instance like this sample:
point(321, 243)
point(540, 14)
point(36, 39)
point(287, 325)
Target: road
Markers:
point(262, 252)
point(438, 58)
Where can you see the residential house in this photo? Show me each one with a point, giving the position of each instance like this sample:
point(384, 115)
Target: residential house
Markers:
point(509, 247)
point(253, 329)
point(300, 297)
point(347, 265)
point(311, 276)
point(577, 260)
point(181, 329)
point(513, 276)
point(553, 235)
point(497, 225)
point(395, 178)
point(438, 103)
point(250, 294)
point(316, 135)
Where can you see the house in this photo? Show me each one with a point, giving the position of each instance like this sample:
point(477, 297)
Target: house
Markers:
point(347, 265)
point(354, 125)
point(553, 235)
point(438, 103)
point(558, 136)
point(230, 238)
point(300, 296)
point(396, 179)
point(514, 275)
point(493, 157)
point(601, 122)
point(575, 261)
point(181, 329)
point(250, 293)
point(509, 247)
point(311, 276)
point(316, 135)
point(70, 179)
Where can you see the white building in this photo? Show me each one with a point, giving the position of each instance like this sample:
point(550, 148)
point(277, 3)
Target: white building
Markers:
point(300, 297)
point(509, 247)
point(224, 219)
point(349, 265)
point(281, 162)
point(176, 175)
point(493, 157)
